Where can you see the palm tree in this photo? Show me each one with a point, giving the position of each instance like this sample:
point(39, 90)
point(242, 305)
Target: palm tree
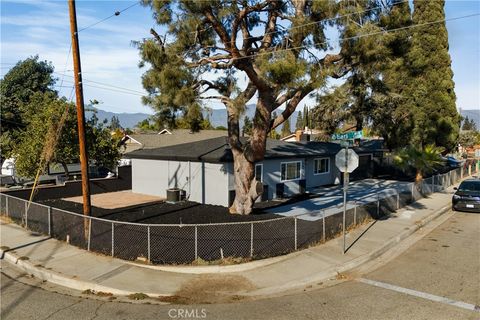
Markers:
point(422, 160)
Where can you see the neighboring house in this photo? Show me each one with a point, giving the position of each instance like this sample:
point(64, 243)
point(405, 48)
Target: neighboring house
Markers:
point(306, 134)
point(204, 169)
point(166, 138)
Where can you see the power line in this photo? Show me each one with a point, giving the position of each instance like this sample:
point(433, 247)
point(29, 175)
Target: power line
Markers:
point(66, 64)
point(112, 88)
point(314, 22)
point(116, 13)
point(361, 36)
point(109, 85)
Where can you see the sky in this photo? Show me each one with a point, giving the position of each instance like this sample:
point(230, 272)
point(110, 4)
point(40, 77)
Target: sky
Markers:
point(110, 61)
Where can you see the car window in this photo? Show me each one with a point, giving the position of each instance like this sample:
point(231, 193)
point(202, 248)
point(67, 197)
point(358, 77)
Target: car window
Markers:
point(469, 186)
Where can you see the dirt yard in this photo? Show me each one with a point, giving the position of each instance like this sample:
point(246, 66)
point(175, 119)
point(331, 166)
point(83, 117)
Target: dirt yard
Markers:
point(160, 212)
point(120, 199)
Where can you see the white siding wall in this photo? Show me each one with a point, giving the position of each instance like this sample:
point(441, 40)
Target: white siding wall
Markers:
point(156, 176)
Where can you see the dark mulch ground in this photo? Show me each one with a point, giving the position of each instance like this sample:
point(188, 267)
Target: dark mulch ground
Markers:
point(166, 213)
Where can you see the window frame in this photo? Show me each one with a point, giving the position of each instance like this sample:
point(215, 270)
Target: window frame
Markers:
point(315, 167)
point(299, 172)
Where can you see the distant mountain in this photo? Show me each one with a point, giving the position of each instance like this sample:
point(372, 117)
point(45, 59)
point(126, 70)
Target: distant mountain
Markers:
point(127, 120)
point(218, 117)
point(472, 115)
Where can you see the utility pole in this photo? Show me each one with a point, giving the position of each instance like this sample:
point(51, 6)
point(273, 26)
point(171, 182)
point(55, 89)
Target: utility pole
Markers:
point(80, 115)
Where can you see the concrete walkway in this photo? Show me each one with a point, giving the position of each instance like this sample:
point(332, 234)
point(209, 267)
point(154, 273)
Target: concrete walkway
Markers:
point(62, 264)
point(330, 200)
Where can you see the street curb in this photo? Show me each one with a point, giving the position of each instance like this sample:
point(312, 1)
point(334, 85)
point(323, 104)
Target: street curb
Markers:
point(66, 281)
point(355, 263)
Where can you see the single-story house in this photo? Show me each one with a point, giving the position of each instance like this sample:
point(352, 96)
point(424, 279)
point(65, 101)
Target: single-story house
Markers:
point(204, 169)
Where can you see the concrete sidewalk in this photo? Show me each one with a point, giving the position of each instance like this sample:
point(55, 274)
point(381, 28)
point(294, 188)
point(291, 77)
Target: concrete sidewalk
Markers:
point(62, 264)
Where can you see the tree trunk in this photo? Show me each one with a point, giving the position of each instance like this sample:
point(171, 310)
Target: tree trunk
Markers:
point(245, 155)
point(247, 188)
point(418, 177)
point(65, 168)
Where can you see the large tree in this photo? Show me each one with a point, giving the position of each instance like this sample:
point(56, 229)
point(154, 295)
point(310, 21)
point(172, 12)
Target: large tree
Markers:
point(278, 46)
point(17, 87)
point(432, 91)
point(51, 136)
point(392, 114)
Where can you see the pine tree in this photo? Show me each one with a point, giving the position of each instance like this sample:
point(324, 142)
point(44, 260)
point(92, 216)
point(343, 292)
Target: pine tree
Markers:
point(392, 115)
point(115, 123)
point(436, 120)
point(469, 124)
point(305, 116)
point(299, 124)
point(286, 131)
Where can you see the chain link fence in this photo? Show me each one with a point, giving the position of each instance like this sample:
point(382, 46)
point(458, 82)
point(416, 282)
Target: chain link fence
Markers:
point(177, 243)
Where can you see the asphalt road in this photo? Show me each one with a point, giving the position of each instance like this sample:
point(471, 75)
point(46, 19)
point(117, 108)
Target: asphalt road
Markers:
point(445, 263)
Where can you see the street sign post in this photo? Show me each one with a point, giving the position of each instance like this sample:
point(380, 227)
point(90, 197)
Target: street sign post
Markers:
point(346, 161)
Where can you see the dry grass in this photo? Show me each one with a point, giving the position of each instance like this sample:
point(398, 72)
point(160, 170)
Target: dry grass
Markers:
point(5, 219)
point(138, 296)
point(222, 262)
point(97, 293)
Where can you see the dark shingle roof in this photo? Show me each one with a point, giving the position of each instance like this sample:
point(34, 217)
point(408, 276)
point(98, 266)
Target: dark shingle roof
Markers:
point(217, 150)
point(178, 136)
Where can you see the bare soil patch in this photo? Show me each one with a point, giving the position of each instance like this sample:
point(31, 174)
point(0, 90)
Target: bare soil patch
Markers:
point(120, 199)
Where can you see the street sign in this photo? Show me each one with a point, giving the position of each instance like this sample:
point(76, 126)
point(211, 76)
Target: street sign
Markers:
point(346, 160)
point(347, 135)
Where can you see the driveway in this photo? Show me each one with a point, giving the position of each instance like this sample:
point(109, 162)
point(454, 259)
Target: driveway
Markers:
point(330, 199)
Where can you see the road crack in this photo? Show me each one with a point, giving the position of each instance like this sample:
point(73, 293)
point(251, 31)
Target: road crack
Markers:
point(61, 309)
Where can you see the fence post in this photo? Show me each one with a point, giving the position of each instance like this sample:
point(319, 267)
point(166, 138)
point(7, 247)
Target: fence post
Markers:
point(461, 172)
point(323, 227)
point(398, 199)
point(251, 239)
point(196, 242)
point(413, 198)
point(49, 221)
point(354, 212)
point(148, 243)
point(470, 170)
point(295, 233)
point(89, 233)
point(433, 184)
point(378, 205)
point(26, 214)
point(6, 206)
point(113, 239)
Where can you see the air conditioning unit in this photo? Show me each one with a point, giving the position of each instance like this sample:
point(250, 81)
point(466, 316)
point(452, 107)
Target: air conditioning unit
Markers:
point(175, 195)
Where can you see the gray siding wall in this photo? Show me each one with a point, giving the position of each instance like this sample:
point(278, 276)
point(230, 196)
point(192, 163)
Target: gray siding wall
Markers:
point(315, 180)
point(272, 176)
point(156, 176)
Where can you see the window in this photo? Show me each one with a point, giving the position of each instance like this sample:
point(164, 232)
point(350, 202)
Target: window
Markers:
point(259, 172)
point(321, 166)
point(291, 170)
